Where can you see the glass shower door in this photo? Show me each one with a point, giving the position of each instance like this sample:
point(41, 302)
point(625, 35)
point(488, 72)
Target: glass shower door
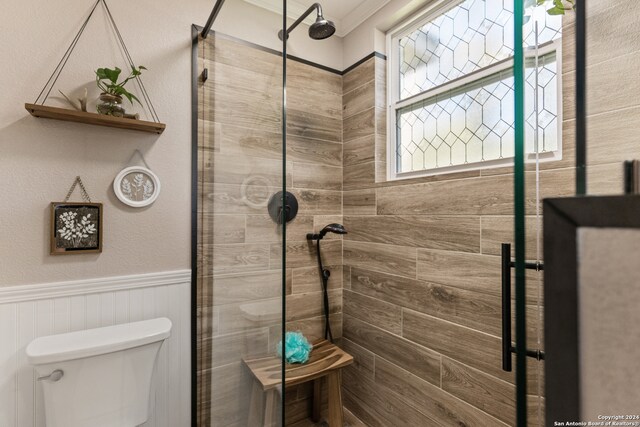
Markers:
point(240, 283)
point(544, 167)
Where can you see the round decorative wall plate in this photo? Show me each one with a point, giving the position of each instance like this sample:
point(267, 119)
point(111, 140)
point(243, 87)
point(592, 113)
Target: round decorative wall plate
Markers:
point(136, 186)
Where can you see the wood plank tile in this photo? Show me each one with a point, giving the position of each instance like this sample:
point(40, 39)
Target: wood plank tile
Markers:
point(360, 99)
point(314, 327)
point(476, 349)
point(318, 202)
point(224, 50)
point(380, 172)
point(458, 233)
point(351, 420)
point(230, 348)
point(385, 406)
point(242, 107)
point(261, 228)
point(443, 408)
point(479, 196)
point(223, 229)
point(492, 395)
point(611, 86)
point(605, 179)
point(619, 127)
point(257, 142)
point(229, 382)
point(472, 309)
point(384, 258)
point(374, 311)
point(363, 359)
point(346, 277)
point(251, 315)
point(359, 150)
point(359, 202)
point(500, 229)
point(243, 287)
point(359, 125)
point(425, 363)
point(303, 253)
point(232, 169)
point(307, 279)
point(360, 75)
point(311, 125)
point(613, 32)
point(360, 175)
point(301, 75)
point(362, 410)
point(309, 305)
point(209, 135)
point(307, 175)
point(236, 199)
point(480, 273)
point(313, 99)
point(381, 82)
point(240, 257)
point(221, 74)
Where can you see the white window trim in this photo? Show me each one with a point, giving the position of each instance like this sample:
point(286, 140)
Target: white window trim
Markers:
point(394, 103)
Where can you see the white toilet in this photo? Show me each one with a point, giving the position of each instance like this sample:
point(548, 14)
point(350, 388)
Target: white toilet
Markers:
point(98, 377)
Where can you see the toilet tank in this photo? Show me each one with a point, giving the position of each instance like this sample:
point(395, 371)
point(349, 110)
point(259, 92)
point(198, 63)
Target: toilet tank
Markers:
point(106, 373)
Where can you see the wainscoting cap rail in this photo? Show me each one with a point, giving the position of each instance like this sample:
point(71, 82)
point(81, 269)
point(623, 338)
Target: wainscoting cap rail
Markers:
point(11, 294)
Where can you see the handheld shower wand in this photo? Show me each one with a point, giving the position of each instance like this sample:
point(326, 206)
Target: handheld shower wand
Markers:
point(325, 273)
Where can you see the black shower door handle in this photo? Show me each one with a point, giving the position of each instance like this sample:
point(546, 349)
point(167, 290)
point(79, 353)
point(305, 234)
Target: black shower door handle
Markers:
point(507, 344)
point(506, 307)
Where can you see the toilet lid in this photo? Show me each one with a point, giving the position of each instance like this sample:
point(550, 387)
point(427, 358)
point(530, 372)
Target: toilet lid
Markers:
point(94, 342)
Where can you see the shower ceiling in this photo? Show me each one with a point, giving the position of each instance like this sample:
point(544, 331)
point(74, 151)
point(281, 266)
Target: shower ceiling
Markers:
point(347, 14)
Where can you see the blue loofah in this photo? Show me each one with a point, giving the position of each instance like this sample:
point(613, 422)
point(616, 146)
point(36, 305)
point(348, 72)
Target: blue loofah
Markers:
point(297, 348)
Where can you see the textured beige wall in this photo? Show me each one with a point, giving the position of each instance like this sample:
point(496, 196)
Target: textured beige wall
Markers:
point(40, 158)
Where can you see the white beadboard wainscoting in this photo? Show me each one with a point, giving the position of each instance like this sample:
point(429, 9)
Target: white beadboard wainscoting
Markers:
point(31, 311)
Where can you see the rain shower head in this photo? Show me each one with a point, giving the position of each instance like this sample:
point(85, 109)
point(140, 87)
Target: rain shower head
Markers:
point(330, 228)
point(319, 30)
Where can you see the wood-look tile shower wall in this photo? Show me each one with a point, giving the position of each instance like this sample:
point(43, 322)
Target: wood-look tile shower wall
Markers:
point(421, 296)
point(240, 167)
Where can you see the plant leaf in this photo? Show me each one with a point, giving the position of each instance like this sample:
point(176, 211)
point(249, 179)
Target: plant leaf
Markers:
point(556, 11)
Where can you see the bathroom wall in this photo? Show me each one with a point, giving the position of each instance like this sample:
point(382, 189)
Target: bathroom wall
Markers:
point(613, 95)
point(40, 158)
point(422, 269)
point(32, 311)
point(240, 262)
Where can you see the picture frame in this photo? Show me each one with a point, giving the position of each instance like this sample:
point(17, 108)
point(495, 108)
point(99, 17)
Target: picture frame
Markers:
point(76, 228)
point(136, 186)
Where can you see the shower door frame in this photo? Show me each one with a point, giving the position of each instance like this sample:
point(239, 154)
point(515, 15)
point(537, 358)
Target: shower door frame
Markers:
point(196, 32)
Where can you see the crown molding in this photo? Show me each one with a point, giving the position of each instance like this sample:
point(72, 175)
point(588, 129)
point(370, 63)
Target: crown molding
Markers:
point(360, 14)
point(343, 26)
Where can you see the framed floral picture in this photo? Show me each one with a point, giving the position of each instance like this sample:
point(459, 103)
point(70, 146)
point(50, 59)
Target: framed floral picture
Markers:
point(136, 186)
point(76, 228)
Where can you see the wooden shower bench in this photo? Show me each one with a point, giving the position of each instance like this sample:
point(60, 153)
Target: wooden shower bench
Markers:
point(326, 360)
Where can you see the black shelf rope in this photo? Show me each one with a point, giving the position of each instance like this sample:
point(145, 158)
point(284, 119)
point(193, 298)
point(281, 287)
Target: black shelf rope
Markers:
point(46, 90)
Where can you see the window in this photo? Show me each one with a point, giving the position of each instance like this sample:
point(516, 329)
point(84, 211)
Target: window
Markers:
point(451, 88)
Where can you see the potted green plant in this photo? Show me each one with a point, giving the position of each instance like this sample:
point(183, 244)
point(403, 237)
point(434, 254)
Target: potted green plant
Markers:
point(112, 92)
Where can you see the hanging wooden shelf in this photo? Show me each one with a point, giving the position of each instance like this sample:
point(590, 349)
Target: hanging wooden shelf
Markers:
point(68, 115)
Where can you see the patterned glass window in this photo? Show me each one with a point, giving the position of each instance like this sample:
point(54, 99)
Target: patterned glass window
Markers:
point(454, 99)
